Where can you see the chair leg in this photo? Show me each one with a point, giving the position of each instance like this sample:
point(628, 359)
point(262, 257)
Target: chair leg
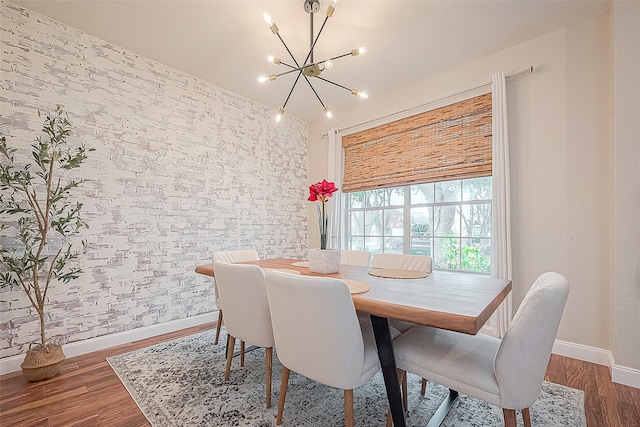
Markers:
point(242, 354)
point(423, 387)
point(389, 422)
point(348, 408)
point(218, 326)
point(509, 417)
point(526, 417)
point(268, 359)
point(284, 382)
point(232, 343)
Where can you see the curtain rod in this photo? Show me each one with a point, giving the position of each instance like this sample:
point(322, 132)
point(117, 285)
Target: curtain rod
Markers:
point(526, 71)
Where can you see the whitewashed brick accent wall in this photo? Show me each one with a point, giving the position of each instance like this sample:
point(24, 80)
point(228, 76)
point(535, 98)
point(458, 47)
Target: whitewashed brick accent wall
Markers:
point(181, 168)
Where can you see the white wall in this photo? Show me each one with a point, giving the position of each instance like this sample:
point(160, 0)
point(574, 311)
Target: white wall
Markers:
point(625, 124)
point(558, 130)
point(181, 168)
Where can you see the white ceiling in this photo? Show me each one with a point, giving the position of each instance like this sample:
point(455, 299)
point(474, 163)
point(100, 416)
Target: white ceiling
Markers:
point(226, 42)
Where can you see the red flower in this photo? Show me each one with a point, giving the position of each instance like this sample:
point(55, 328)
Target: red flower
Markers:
point(321, 191)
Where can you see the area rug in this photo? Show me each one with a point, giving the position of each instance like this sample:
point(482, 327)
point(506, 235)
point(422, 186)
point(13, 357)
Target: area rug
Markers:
point(180, 383)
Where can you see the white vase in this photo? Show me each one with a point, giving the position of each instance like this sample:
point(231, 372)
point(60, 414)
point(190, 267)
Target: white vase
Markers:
point(324, 261)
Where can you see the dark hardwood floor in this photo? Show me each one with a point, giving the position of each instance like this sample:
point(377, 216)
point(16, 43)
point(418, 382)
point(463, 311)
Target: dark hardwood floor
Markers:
point(88, 393)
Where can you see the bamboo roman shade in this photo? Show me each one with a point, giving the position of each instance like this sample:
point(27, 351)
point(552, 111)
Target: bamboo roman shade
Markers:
point(450, 142)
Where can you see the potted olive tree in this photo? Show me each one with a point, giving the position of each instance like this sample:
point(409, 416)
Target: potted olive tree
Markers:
point(39, 224)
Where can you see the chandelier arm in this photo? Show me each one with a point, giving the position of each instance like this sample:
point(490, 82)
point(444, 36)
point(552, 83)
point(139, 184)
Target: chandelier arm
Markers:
point(336, 57)
point(310, 54)
point(292, 88)
point(287, 47)
point(314, 91)
point(284, 73)
point(293, 69)
point(333, 83)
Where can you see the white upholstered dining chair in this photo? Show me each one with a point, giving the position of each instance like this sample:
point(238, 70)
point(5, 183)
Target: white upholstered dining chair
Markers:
point(353, 257)
point(318, 335)
point(230, 256)
point(246, 310)
point(402, 262)
point(508, 372)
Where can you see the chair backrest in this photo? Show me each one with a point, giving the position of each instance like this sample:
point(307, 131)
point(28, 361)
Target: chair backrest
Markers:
point(232, 256)
point(316, 328)
point(236, 256)
point(246, 307)
point(402, 262)
point(522, 358)
point(351, 257)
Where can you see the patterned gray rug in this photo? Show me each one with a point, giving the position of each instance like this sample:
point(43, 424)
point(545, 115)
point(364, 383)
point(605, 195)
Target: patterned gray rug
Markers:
point(180, 383)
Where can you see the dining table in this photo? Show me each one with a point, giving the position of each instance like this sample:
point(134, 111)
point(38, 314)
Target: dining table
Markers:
point(454, 301)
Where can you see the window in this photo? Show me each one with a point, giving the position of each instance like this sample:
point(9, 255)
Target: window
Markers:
point(447, 220)
point(422, 185)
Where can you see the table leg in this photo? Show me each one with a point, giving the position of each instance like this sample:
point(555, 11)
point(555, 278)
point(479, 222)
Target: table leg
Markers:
point(388, 365)
point(443, 409)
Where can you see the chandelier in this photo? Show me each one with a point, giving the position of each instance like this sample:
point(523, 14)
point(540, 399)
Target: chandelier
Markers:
point(309, 68)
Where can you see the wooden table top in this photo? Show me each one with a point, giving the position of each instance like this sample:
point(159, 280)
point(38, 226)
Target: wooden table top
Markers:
point(446, 300)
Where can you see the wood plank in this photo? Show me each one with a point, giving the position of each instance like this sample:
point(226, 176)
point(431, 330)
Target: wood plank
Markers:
point(628, 403)
point(59, 397)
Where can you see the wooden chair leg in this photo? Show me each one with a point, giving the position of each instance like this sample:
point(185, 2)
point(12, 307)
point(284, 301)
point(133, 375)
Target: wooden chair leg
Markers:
point(232, 343)
point(218, 326)
point(423, 387)
point(526, 417)
point(284, 382)
point(509, 417)
point(348, 408)
point(241, 354)
point(268, 361)
point(389, 422)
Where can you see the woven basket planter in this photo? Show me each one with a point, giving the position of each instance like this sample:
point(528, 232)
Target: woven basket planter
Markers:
point(42, 362)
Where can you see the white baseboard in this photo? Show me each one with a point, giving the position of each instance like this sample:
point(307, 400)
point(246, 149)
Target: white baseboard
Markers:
point(583, 352)
point(12, 363)
point(626, 376)
point(619, 374)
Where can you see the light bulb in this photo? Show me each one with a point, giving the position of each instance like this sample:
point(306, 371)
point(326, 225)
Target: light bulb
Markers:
point(359, 93)
point(357, 51)
point(328, 64)
point(266, 78)
point(327, 112)
point(279, 115)
point(273, 59)
point(331, 9)
point(272, 25)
